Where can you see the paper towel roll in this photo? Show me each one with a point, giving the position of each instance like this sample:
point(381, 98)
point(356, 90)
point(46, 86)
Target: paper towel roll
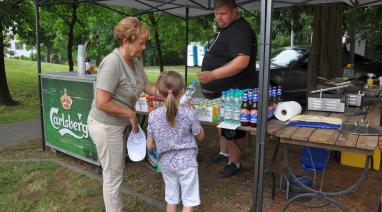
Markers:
point(286, 110)
point(81, 60)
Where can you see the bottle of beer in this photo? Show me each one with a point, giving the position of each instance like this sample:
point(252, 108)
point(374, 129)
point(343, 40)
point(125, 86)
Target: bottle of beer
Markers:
point(253, 113)
point(245, 111)
point(270, 104)
point(279, 94)
point(274, 97)
point(250, 97)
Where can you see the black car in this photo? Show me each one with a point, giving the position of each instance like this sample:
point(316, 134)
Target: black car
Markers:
point(289, 68)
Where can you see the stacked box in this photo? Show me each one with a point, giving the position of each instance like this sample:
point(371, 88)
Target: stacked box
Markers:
point(141, 105)
point(207, 110)
point(148, 103)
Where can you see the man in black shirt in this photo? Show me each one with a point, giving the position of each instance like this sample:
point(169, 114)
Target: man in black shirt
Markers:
point(229, 63)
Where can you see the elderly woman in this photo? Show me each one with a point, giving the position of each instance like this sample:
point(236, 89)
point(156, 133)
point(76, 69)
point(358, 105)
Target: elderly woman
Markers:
point(120, 81)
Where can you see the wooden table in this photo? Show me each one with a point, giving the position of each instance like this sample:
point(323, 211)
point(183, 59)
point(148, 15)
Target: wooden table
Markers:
point(331, 139)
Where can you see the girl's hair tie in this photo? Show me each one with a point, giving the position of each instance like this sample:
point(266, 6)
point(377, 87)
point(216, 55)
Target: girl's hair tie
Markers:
point(169, 91)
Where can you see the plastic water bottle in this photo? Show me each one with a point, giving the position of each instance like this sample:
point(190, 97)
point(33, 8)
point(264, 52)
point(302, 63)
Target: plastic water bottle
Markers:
point(228, 107)
point(222, 104)
point(236, 107)
point(190, 90)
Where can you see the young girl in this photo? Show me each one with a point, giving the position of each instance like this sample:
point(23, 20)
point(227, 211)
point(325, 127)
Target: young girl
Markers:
point(172, 130)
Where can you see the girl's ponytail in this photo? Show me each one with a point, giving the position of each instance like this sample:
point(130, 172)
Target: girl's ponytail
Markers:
point(171, 108)
point(170, 84)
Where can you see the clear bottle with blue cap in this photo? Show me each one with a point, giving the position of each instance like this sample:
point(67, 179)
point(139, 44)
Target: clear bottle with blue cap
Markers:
point(190, 90)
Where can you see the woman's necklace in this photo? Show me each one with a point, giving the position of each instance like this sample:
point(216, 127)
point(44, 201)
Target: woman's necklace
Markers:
point(129, 61)
point(131, 64)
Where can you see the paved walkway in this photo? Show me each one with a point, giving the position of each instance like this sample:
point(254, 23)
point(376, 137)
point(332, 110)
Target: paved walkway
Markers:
point(20, 132)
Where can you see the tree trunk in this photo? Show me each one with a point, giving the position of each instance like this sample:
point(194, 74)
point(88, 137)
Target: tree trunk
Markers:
point(326, 51)
point(157, 41)
point(5, 96)
point(48, 51)
point(297, 25)
point(159, 49)
point(70, 36)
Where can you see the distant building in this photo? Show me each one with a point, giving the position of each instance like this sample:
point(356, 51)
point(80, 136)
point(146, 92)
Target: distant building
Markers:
point(195, 54)
point(16, 48)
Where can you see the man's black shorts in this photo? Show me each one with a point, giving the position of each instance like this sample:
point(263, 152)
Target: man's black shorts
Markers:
point(233, 134)
point(210, 94)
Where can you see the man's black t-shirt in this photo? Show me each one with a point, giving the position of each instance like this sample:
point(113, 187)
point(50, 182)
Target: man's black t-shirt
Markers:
point(226, 44)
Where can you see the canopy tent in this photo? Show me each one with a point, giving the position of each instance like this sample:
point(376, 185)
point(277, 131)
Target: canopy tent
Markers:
point(186, 9)
point(203, 7)
point(194, 8)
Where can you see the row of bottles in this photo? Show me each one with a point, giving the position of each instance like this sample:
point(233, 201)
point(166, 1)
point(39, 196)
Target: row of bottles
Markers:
point(241, 106)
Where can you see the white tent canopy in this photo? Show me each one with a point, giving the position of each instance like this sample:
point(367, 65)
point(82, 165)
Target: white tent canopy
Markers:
point(204, 7)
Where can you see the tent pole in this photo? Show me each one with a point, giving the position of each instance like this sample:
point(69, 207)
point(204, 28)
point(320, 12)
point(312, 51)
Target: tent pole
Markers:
point(37, 21)
point(186, 52)
point(353, 34)
point(261, 132)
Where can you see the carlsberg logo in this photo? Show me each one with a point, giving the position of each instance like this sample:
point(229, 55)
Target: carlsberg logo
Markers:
point(65, 124)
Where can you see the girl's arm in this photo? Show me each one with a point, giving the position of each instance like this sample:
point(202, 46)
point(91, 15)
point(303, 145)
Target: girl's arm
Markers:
point(150, 142)
point(152, 90)
point(200, 136)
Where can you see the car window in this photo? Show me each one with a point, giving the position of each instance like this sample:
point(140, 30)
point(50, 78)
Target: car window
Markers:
point(287, 57)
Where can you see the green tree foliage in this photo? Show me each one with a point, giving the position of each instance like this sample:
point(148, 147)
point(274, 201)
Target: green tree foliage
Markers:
point(172, 36)
point(369, 26)
point(282, 25)
point(94, 24)
point(13, 16)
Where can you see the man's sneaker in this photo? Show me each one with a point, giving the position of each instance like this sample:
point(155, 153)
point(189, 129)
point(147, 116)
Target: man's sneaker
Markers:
point(218, 158)
point(228, 171)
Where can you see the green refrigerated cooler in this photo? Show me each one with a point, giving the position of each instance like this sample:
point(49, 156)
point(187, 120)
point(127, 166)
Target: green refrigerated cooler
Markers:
point(66, 101)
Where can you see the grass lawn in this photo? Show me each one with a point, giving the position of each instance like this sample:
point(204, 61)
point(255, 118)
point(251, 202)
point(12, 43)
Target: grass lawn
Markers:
point(23, 85)
point(48, 186)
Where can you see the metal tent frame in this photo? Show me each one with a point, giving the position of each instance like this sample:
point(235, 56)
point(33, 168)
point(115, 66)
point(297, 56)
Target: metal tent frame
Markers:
point(194, 8)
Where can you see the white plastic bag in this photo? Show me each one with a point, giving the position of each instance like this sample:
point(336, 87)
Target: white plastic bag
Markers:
point(136, 145)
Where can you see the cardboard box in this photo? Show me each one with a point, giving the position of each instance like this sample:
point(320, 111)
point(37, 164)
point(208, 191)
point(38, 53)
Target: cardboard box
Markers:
point(141, 105)
point(207, 113)
point(148, 103)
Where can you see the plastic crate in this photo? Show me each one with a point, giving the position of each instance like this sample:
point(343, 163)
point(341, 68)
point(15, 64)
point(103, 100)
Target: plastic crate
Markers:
point(358, 160)
point(313, 159)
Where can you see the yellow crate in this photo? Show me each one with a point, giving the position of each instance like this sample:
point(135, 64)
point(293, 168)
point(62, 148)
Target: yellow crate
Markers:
point(358, 160)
